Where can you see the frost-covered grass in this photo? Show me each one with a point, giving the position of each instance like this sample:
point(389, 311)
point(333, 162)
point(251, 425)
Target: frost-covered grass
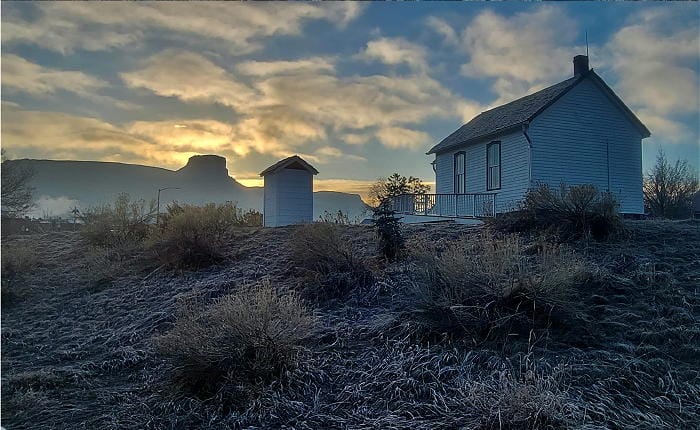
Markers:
point(625, 356)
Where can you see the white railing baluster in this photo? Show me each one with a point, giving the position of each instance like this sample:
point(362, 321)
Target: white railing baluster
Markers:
point(446, 205)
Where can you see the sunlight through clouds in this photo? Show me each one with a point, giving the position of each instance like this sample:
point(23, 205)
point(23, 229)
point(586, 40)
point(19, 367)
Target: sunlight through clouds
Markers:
point(339, 83)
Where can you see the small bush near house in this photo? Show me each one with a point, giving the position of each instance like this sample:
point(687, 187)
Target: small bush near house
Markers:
point(125, 223)
point(478, 288)
point(569, 213)
point(329, 259)
point(191, 237)
point(391, 241)
point(242, 340)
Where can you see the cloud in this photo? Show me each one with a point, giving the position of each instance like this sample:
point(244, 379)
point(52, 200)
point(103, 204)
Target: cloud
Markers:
point(356, 138)
point(397, 137)
point(297, 103)
point(655, 57)
point(53, 135)
point(441, 27)
point(329, 153)
point(189, 77)
point(521, 53)
point(396, 51)
point(46, 206)
point(65, 27)
point(268, 68)
point(63, 136)
point(21, 75)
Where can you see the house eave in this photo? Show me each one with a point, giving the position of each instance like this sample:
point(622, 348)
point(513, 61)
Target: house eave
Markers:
point(498, 133)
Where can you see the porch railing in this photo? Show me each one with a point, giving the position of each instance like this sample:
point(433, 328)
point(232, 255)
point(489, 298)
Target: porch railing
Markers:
point(475, 205)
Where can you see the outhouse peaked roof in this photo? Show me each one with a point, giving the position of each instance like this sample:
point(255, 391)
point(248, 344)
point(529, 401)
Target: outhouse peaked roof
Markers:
point(293, 162)
point(512, 115)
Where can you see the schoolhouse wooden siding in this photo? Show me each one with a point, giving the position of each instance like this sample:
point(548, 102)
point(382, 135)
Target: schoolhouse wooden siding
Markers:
point(514, 170)
point(584, 138)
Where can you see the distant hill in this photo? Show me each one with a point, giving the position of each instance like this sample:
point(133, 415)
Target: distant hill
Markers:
point(62, 184)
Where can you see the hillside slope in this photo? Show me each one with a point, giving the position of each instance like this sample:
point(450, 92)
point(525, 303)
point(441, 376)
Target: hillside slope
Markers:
point(80, 355)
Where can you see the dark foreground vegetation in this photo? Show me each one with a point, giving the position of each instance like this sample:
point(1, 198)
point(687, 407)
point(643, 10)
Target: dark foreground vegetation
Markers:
point(318, 327)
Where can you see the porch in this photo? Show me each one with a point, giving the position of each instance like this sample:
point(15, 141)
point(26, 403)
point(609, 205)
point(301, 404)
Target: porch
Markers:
point(475, 205)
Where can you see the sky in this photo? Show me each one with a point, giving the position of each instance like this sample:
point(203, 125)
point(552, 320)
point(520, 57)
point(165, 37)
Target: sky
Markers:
point(360, 90)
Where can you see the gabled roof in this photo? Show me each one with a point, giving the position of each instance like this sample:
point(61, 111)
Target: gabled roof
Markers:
point(510, 116)
point(293, 162)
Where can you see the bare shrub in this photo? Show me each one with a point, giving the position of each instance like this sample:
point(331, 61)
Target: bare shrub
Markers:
point(123, 224)
point(329, 259)
point(571, 212)
point(242, 340)
point(190, 237)
point(481, 286)
point(669, 188)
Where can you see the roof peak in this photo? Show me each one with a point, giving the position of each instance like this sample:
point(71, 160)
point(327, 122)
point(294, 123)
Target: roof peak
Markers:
point(293, 162)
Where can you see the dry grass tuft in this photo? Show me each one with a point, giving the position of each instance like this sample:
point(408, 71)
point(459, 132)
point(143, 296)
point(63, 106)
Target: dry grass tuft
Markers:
point(484, 285)
point(243, 339)
point(330, 260)
point(525, 396)
point(101, 267)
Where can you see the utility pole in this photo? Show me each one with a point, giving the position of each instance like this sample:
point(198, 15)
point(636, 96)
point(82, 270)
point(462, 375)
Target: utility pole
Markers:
point(158, 200)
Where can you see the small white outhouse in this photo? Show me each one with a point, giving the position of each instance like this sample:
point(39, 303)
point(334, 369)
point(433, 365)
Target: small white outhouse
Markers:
point(289, 192)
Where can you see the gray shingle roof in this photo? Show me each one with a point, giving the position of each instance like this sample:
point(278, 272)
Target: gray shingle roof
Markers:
point(293, 162)
point(509, 116)
point(505, 117)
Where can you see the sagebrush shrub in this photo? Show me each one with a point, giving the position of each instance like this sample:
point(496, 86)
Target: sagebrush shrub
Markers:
point(571, 212)
point(190, 237)
point(479, 286)
point(124, 223)
point(321, 251)
point(240, 341)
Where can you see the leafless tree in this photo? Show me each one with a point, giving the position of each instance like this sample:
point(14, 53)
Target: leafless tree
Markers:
point(669, 188)
point(17, 191)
